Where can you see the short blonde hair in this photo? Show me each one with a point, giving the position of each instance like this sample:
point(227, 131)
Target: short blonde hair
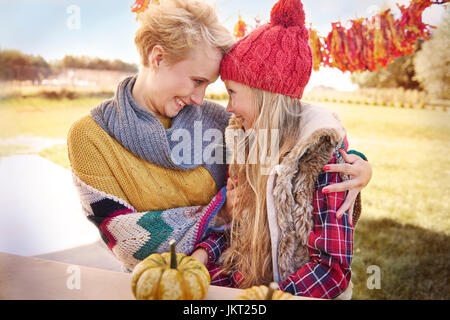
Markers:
point(178, 26)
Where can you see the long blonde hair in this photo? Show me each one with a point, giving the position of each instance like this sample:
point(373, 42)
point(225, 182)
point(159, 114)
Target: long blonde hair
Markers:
point(250, 247)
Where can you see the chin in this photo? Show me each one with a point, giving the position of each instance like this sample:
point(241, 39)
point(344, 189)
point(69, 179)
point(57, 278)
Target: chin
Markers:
point(172, 113)
point(245, 125)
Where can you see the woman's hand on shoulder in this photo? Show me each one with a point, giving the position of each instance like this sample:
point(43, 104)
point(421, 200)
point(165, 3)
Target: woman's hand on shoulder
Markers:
point(360, 173)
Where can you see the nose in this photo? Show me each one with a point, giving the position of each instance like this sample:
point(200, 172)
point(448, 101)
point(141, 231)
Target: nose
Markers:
point(198, 95)
point(229, 108)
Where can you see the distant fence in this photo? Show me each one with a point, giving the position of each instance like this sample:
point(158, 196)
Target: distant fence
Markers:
point(396, 97)
point(68, 83)
point(72, 83)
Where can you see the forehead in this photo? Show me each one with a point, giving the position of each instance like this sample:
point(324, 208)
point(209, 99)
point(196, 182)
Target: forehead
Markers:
point(204, 51)
point(236, 85)
point(203, 61)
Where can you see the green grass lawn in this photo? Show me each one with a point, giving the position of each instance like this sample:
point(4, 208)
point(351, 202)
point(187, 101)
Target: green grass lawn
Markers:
point(50, 118)
point(405, 225)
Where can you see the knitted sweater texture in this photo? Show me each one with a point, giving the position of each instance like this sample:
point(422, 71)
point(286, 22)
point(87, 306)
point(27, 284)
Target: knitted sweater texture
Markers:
point(137, 205)
point(141, 133)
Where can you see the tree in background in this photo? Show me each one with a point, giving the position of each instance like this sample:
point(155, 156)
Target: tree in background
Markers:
point(432, 63)
point(95, 63)
point(15, 65)
point(400, 73)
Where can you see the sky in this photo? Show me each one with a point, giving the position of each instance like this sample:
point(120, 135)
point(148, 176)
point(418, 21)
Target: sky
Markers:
point(105, 28)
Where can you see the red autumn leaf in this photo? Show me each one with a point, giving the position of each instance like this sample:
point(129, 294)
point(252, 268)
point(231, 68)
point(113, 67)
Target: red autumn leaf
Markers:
point(240, 28)
point(141, 5)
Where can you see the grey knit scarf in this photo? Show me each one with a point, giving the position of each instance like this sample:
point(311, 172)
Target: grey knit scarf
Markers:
point(194, 139)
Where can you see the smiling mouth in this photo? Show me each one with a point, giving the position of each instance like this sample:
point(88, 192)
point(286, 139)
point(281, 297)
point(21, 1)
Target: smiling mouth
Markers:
point(180, 103)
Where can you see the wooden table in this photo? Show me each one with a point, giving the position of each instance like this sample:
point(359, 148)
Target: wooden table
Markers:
point(28, 278)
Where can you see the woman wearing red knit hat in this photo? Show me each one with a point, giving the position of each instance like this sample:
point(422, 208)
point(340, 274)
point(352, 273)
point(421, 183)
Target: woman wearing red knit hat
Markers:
point(286, 225)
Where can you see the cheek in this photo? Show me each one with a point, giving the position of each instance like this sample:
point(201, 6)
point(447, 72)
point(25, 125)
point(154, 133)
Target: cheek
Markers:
point(183, 87)
point(174, 84)
point(241, 105)
point(249, 108)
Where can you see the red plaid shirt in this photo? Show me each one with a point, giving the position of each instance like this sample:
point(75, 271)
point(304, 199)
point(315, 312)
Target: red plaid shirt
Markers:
point(330, 248)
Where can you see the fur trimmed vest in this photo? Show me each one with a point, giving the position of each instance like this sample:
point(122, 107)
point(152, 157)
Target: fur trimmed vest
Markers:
point(291, 185)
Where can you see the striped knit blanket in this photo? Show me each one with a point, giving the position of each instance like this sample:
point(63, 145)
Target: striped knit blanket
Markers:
point(132, 236)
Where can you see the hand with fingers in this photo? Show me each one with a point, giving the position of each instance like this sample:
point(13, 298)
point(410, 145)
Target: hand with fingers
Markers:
point(360, 173)
point(226, 213)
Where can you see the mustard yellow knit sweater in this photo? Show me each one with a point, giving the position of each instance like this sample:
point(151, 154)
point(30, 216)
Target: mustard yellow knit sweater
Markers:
point(138, 206)
point(101, 162)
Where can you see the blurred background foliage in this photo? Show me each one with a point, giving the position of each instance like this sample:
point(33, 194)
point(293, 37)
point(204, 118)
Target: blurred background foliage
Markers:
point(18, 66)
point(428, 69)
point(398, 118)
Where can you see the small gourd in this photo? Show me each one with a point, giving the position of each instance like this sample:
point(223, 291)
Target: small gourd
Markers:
point(170, 276)
point(264, 293)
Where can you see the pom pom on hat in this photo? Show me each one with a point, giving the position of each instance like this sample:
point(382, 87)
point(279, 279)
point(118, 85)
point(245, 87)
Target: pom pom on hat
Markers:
point(288, 13)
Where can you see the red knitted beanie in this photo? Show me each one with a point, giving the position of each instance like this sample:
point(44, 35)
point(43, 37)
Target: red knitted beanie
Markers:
point(275, 57)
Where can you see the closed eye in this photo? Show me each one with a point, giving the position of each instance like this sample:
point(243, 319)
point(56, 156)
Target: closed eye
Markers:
point(200, 81)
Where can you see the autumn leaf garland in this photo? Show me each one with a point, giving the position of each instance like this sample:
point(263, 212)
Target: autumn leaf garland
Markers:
point(368, 43)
